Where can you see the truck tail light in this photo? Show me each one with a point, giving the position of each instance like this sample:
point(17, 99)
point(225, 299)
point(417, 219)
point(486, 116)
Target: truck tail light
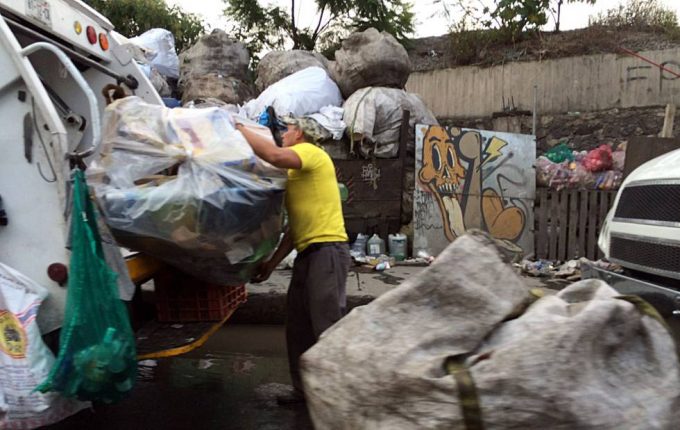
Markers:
point(58, 273)
point(103, 41)
point(91, 35)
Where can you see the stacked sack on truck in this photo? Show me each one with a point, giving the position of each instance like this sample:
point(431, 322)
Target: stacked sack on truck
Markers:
point(215, 67)
point(184, 186)
point(598, 169)
point(154, 50)
point(371, 69)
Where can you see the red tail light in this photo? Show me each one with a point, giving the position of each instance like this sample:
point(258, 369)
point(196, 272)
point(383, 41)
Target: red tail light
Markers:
point(58, 272)
point(91, 35)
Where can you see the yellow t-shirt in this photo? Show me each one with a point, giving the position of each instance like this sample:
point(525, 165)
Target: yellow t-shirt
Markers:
point(313, 199)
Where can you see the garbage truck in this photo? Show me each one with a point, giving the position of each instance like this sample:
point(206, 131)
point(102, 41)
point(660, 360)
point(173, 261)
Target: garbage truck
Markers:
point(641, 233)
point(57, 57)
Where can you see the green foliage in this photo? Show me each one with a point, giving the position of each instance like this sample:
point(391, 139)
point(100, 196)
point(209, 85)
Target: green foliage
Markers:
point(271, 27)
point(638, 14)
point(134, 17)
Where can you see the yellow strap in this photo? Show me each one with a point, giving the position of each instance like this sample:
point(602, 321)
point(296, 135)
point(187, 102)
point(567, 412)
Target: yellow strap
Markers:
point(171, 352)
point(467, 392)
point(644, 308)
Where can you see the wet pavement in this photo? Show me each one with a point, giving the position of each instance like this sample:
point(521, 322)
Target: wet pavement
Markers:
point(229, 383)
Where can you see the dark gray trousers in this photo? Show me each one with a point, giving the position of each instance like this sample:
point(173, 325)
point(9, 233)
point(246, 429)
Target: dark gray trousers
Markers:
point(316, 298)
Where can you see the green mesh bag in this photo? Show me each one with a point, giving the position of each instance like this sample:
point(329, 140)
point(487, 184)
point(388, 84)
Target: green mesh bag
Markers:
point(97, 358)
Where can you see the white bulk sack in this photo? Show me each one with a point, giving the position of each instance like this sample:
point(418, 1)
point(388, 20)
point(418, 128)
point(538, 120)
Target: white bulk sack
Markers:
point(581, 359)
point(160, 44)
point(25, 360)
point(302, 93)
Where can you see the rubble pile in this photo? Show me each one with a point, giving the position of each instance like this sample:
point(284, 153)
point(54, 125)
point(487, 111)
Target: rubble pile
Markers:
point(465, 344)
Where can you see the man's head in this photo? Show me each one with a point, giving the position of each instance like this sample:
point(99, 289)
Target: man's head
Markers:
point(300, 130)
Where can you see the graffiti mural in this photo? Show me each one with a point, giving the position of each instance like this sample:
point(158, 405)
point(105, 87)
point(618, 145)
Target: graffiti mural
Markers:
point(473, 179)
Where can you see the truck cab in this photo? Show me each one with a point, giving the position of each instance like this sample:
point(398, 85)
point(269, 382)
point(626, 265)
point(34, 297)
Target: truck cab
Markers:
point(642, 234)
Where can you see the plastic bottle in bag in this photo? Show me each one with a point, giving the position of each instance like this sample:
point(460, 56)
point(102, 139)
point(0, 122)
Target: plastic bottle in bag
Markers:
point(376, 246)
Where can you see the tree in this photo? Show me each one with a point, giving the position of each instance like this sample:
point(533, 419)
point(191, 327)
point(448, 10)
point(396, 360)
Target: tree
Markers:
point(133, 17)
point(512, 16)
point(273, 26)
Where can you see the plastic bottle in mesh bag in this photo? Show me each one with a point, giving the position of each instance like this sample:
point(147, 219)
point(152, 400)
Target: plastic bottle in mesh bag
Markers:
point(97, 358)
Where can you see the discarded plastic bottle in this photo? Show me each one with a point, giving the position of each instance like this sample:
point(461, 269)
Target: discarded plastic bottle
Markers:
point(376, 246)
point(397, 246)
point(358, 248)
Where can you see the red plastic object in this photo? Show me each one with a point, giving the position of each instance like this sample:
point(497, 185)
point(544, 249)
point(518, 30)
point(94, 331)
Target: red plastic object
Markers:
point(598, 159)
point(181, 298)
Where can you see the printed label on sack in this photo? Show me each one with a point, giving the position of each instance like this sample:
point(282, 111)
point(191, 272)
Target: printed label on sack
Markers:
point(374, 249)
point(12, 335)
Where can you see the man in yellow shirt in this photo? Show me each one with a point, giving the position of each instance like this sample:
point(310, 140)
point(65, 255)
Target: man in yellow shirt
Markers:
point(316, 229)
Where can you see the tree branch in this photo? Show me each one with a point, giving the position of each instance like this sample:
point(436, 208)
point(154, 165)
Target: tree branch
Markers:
point(294, 29)
point(318, 24)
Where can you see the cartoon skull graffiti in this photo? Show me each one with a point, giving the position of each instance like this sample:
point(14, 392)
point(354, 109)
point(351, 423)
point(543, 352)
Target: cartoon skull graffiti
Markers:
point(452, 172)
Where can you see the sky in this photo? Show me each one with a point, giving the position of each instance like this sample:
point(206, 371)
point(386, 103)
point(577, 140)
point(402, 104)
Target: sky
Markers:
point(427, 23)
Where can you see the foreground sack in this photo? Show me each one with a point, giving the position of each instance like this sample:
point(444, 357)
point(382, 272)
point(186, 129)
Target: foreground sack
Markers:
point(370, 58)
point(447, 349)
point(24, 359)
point(184, 186)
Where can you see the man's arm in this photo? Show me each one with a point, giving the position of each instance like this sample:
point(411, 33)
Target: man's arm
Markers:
point(262, 146)
point(266, 268)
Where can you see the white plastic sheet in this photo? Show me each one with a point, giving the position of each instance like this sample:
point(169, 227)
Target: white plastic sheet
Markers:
point(330, 118)
point(25, 360)
point(302, 93)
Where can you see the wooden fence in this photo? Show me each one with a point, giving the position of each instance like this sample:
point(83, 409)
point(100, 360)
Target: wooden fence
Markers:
point(568, 222)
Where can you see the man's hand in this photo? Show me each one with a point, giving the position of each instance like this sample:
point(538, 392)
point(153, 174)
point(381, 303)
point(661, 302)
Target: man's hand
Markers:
point(263, 272)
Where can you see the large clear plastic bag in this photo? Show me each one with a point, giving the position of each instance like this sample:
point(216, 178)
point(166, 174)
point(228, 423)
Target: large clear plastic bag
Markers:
point(183, 185)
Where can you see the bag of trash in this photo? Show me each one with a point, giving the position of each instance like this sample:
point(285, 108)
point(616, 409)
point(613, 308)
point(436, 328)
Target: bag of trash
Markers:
point(559, 153)
point(184, 186)
point(302, 93)
point(228, 89)
point(370, 59)
point(276, 65)
point(215, 53)
point(216, 66)
point(97, 358)
point(160, 45)
point(373, 117)
point(25, 360)
point(460, 346)
point(599, 159)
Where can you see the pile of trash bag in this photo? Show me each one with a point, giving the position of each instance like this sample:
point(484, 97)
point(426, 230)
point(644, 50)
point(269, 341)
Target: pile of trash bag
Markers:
point(466, 344)
point(184, 186)
point(373, 116)
point(598, 169)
